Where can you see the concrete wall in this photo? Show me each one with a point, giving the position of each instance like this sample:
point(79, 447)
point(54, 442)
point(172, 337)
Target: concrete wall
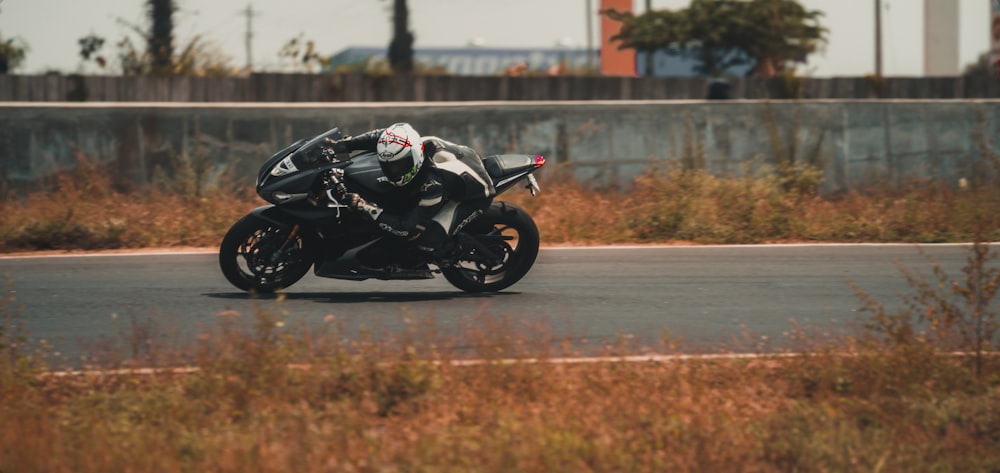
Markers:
point(599, 142)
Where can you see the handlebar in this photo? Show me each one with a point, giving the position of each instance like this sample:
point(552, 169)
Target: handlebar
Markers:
point(333, 182)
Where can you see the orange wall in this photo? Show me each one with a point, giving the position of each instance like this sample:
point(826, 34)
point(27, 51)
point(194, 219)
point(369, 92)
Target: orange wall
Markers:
point(615, 62)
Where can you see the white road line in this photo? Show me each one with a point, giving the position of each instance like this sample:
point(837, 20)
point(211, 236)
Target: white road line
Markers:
point(123, 253)
point(756, 245)
point(650, 358)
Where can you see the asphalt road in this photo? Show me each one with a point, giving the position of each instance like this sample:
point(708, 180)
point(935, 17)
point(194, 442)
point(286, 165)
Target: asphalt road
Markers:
point(707, 297)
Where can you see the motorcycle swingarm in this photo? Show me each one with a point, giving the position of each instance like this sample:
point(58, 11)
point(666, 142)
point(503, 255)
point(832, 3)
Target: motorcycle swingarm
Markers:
point(481, 244)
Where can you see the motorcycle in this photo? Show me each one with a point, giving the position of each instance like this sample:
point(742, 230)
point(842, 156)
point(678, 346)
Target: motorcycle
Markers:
point(306, 225)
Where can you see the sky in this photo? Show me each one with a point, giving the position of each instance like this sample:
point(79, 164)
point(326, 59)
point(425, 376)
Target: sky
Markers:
point(51, 28)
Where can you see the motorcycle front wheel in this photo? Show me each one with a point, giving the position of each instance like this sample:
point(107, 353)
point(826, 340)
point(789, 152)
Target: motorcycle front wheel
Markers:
point(509, 233)
point(259, 256)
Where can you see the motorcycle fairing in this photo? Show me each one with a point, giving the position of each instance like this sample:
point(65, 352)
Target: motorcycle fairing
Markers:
point(350, 265)
point(265, 168)
point(346, 239)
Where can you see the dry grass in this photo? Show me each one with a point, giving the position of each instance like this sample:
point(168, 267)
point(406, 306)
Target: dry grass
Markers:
point(86, 210)
point(668, 205)
point(268, 397)
point(692, 206)
point(273, 398)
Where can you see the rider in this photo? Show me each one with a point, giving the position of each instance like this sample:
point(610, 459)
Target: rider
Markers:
point(449, 183)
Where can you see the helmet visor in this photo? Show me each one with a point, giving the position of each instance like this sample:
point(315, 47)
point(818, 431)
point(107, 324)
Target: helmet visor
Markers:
point(400, 171)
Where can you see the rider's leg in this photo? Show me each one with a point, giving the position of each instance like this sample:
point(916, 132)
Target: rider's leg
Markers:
point(435, 240)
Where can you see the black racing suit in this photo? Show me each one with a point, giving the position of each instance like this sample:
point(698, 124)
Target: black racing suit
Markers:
point(453, 188)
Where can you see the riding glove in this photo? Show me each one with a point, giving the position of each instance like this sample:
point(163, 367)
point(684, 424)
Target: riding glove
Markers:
point(353, 201)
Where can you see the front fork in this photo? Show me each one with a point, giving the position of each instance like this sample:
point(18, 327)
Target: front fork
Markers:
point(277, 255)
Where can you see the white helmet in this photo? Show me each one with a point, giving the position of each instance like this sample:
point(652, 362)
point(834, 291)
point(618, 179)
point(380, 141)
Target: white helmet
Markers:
point(400, 152)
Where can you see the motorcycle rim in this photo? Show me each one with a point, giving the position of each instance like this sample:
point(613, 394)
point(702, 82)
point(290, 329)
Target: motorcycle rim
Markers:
point(509, 233)
point(260, 256)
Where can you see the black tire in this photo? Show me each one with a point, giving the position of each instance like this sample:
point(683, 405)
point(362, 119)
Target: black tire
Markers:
point(254, 256)
point(519, 254)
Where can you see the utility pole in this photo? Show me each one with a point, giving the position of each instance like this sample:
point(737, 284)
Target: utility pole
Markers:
point(590, 36)
point(649, 54)
point(878, 38)
point(250, 13)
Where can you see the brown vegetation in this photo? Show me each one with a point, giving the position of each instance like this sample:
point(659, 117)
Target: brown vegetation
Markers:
point(86, 212)
point(274, 398)
point(263, 396)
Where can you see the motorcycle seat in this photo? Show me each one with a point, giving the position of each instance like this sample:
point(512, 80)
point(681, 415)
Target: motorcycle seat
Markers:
point(500, 166)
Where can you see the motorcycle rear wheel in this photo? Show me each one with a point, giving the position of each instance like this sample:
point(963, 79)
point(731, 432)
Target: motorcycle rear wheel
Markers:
point(259, 256)
point(518, 253)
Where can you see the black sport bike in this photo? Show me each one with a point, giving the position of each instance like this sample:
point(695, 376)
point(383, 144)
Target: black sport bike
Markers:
point(306, 226)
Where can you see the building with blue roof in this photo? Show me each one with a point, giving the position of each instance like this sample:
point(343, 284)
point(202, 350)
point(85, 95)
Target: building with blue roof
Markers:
point(476, 61)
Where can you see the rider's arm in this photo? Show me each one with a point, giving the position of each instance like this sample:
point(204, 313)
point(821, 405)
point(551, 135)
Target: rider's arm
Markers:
point(363, 142)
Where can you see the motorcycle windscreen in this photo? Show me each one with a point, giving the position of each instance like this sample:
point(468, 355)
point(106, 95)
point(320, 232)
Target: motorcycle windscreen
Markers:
point(317, 150)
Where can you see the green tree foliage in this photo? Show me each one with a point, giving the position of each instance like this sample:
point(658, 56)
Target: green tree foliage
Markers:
point(715, 30)
point(90, 46)
point(12, 53)
point(196, 58)
point(783, 33)
point(772, 34)
point(300, 55)
point(980, 68)
point(660, 29)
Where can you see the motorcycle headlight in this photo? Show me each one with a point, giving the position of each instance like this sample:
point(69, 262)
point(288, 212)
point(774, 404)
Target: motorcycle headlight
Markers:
point(286, 166)
point(280, 197)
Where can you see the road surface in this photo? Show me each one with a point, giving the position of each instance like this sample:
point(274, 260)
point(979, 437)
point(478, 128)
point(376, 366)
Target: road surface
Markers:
point(705, 297)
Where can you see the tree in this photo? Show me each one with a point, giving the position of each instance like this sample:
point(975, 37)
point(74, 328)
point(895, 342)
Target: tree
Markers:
point(716, 31)
point(981, 67)
point(783, 33)
point(160, 41)
point(196, 58)
point(12, 54)
point(658, 29)
point(301, 54)
point(722, 34)
point(90, 46)
point(401, 47)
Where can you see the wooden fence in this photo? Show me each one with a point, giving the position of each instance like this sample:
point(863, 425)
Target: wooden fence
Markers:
point(367, 88)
